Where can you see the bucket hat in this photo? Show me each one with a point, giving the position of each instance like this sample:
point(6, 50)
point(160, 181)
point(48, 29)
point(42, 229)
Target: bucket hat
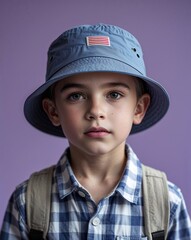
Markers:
point(95, 48)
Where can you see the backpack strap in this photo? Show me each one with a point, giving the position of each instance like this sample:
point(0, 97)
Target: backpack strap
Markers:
point(38, 201)
point(156, 203)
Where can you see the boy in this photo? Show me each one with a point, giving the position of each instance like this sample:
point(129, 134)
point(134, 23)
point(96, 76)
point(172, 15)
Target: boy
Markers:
point(96, 94)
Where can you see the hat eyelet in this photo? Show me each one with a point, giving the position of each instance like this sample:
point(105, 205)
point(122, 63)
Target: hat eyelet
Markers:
point(134, 49)
point(51, 59)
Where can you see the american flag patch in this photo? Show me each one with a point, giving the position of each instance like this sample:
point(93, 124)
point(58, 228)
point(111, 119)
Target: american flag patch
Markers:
point(98, 40)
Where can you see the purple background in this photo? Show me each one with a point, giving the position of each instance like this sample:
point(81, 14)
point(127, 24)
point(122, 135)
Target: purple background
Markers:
point(26, 30)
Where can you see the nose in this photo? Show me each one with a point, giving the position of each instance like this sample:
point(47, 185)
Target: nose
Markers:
point(95, 110)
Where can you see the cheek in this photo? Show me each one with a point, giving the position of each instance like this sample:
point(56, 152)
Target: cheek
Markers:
point(124, 111)
point(68, 125)
point(123, 117)
point(69, 119)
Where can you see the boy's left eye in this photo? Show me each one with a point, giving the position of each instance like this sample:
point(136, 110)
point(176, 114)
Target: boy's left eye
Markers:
point(114, 95)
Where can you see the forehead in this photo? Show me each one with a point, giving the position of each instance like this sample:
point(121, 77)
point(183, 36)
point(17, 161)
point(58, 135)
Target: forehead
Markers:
point(99, 78)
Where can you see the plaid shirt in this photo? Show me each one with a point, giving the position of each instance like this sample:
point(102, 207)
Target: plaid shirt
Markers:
point(74, 215)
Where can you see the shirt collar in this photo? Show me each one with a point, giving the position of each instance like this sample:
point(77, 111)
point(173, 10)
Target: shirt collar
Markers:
point(131, 181)
point(129, 187)
point(66, 179)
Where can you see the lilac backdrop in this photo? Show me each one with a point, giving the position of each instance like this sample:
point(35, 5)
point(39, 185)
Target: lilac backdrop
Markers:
point(28, 27)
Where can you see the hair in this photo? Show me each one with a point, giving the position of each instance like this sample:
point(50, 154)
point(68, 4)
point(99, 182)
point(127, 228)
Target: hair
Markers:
point(50, 92)
point(140, 86)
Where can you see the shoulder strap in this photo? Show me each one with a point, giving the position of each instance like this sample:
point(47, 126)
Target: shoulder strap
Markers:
point(156, 203)
point(38, 200)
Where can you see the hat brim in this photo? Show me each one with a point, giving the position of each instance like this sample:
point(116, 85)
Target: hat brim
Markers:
point(158, 107)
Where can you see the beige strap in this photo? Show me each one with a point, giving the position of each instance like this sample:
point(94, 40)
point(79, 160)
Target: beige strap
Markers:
point(156, 202)
point(38, 200)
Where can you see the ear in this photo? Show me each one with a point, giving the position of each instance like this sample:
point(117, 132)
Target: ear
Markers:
point(141, 108)
point(50, 109)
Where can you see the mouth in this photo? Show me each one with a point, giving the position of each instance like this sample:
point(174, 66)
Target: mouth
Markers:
point(97, 132)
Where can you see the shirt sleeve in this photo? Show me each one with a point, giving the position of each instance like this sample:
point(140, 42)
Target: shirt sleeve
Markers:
point(180, 224)
point(14, 224)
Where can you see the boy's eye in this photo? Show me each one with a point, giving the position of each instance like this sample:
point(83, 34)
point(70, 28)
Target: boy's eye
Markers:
point(75, 97)
point(114, 95)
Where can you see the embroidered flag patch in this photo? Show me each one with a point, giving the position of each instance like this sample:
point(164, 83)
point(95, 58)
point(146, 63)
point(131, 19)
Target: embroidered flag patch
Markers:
point(98, 40)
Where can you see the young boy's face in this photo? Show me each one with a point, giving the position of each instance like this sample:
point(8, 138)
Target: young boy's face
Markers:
point(96, 110)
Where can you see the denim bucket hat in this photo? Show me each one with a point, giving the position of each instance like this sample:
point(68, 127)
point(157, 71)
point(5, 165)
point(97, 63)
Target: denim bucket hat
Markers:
point(95, 48)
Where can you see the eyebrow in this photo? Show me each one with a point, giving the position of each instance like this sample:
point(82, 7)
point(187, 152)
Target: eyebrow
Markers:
point(116, 84)
point(71, 85)
point(82, 86)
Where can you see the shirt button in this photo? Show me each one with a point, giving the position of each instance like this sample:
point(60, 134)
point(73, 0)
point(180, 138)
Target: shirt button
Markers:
point(82, 194)
point(96, 221)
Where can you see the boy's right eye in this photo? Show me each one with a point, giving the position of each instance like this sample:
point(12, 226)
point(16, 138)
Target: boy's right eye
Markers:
point(74, 97)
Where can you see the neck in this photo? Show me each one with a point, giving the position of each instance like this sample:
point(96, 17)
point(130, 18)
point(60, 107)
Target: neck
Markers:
point(98, 167)
point(98, 174)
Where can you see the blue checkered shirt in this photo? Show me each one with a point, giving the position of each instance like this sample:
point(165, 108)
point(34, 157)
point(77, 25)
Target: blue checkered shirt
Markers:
point(74, 214)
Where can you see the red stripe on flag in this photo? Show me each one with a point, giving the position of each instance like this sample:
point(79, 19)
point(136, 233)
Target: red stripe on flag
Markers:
point(98, 40)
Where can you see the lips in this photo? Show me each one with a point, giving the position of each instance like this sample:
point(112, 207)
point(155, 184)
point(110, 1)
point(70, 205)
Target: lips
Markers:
point(97, 132)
